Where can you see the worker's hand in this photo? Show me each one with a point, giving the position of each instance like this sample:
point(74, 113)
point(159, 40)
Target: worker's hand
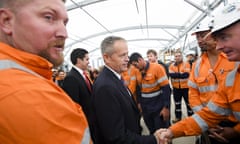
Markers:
point(165, 114)
point(164, 136)
point(223, 134)
point(216, 129)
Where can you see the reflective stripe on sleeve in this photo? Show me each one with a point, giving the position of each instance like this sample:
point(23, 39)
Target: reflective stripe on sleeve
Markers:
point(192, 84)
point(237, 115)
point(219, 110)
point(210, 88)
point(86, 137)
point(231, 75)
point(201, 123)
point(197, 108)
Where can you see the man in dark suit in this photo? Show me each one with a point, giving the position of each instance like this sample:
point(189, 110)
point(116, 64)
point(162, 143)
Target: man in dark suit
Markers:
point(76, 82)
point(117, 118)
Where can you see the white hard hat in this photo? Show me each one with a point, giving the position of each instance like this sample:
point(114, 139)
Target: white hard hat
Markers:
point(190, 52)
point(227, 16)
point(201, 27)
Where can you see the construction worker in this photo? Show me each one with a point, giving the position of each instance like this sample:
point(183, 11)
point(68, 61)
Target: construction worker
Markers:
point(132, 79)
point(34, 110)
point(225, 102)
point(155, 93)
point(209, 70)
point(152, 57)
point(191, 57)
point(179, 72)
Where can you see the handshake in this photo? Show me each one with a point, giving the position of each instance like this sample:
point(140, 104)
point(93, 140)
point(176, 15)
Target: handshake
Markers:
point(163, 136)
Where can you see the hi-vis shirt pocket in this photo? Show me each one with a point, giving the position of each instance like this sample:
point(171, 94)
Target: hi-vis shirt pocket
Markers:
point(201, 80)
point(149, 77)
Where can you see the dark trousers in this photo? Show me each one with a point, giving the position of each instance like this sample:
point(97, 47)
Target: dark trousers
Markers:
point(154, 121)
point(178, 94)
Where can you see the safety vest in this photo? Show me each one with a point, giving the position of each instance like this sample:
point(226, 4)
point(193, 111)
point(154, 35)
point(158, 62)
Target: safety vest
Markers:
point(231, 100)
point(131, 77)
point(84, 136)
point(154, 78)
point(180, 68)
point(204, 79)
point(223, 105)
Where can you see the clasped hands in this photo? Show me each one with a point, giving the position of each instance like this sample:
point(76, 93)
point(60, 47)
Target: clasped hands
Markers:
point(163, 136)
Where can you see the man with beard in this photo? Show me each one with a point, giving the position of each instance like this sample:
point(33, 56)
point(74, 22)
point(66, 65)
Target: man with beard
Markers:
point(224, 104)
point(207, 73)
point(33, 108)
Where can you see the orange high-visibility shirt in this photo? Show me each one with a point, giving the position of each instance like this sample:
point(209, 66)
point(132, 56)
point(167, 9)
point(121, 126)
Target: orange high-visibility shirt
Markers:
point(154, 79)
point(132, 78)
point(223, 105)
point(183, 67)
point(33, 108)
point(204, 79)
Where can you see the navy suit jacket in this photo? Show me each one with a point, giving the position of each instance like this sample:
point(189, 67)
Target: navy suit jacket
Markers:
point(117, 118)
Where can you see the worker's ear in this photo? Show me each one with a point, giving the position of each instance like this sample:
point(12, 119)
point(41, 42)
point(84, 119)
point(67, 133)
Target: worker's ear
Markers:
point(6, 19)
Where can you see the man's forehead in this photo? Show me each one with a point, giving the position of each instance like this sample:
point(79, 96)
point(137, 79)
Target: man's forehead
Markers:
point(178, 54)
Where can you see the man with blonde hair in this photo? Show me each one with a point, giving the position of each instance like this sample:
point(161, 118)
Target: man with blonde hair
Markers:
point(153, 57)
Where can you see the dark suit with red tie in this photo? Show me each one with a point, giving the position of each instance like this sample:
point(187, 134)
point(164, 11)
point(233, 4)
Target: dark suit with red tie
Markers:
point(75, 86)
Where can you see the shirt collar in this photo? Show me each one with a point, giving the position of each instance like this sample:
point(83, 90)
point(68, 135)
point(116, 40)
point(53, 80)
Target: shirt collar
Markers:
point(31, 61)
point(118, 75)
point(79, 70)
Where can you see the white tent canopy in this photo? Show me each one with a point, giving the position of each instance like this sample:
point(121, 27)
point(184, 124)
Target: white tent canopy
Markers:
point(145, 24)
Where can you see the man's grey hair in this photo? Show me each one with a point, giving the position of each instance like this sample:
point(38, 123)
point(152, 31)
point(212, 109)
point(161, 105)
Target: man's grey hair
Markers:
point(107, 44)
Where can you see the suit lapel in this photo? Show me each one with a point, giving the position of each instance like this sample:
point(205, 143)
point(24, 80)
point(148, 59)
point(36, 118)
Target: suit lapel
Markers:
point(80, 78)
point(122, 88)
point(128, 94)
